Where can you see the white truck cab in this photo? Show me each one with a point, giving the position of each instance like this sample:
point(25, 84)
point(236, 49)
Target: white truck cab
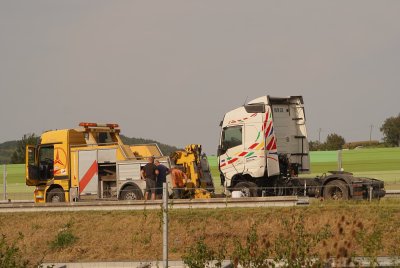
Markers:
point(262, 141)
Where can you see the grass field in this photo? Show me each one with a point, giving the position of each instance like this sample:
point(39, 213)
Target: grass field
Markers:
point(16, 187)
point(353, 228)
point(382, 163)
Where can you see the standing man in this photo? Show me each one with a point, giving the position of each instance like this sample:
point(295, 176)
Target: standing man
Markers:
point(149, 174)
point(163, 171)
point(178, 182)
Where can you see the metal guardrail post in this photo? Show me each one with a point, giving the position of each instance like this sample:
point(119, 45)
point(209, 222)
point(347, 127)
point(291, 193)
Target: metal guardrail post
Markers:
point(5, 182)
point(165, 225)
point(370, 193)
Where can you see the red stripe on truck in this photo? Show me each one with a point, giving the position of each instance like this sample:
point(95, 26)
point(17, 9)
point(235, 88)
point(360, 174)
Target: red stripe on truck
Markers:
point(271, 144)
point(88, 176)
point(233, 160)
point(253, 146)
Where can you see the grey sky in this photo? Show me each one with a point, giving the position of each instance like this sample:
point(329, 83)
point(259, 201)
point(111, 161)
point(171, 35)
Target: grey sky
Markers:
point(169, 70)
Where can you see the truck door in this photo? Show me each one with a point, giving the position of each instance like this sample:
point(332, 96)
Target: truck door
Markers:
point(231, 145)
point(31, 166)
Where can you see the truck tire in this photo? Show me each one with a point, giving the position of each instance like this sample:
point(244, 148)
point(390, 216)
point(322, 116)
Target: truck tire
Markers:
point(55, 195)
point(336, 190)
point(131, 193)
point(249, 189)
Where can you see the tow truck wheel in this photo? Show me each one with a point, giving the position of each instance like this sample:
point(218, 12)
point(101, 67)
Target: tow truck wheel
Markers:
point(336, 190)
point(56, 196)
point(131, 193)
point(248, 189)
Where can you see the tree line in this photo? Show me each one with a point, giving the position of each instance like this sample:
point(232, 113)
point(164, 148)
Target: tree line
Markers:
point(391, 138)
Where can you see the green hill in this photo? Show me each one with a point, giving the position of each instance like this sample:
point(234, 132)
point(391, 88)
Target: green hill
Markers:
point(6, 150)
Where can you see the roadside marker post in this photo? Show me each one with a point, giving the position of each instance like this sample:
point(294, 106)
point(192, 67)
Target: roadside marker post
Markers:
point(165, 225)
point(5, 182)
point(340, 160)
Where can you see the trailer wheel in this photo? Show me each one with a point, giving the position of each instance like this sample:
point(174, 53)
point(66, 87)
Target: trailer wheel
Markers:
point(336, 190)
point(55, 195)
point(248, 189)
point(131, 193)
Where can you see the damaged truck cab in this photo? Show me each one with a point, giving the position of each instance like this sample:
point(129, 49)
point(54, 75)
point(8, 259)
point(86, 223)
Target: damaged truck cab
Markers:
point(264, 148)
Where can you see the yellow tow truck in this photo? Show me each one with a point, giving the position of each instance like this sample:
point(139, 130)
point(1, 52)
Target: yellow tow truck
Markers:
point(92, 162)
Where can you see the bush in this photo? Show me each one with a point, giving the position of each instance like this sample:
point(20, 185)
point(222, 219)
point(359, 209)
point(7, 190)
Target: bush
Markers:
point(253, 253)
point(200, 255)
point(10, 255)
point(294, 247)
point(352, 145)
point(63, 239)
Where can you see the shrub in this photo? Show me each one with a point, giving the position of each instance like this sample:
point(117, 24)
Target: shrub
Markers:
point(10, 255)
point(294, 246)
point(253, 253)
point(199, 255)
point(355, 144)
point(63, 239)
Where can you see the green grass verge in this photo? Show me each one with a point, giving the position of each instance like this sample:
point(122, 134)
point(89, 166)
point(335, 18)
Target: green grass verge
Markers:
point(354, 227)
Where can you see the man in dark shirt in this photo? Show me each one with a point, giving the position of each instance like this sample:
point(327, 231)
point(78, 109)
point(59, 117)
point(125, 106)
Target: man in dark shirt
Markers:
point(163, 171)
point(149, 174)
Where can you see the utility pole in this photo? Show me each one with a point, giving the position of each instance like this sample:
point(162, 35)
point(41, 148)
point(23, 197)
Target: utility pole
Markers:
point(370, 132)
point(319, 135)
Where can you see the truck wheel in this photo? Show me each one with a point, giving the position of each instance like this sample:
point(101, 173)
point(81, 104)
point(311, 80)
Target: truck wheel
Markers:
point(336, 190)
point(55, 195)
point(131, 193)
point(248, 189)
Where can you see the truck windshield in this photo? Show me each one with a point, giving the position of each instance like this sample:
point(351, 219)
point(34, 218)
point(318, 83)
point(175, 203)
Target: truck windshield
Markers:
point(231, 137)
point(104, 137)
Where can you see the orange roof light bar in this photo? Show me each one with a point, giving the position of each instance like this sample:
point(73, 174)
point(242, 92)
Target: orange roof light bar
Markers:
point(86, 125)
point(112, 125)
